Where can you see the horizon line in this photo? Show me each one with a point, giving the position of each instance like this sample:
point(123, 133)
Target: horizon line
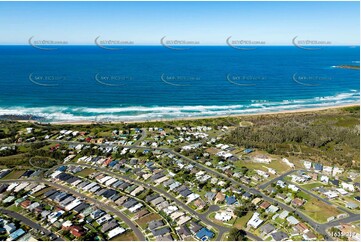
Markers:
point(160, 45)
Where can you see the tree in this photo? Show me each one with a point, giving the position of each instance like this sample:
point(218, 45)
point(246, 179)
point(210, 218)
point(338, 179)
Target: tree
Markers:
point(237, 235)
point(243, 210)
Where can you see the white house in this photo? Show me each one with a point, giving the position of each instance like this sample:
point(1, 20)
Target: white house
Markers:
point(293, 187)
point(348, 187)
point(255, 221)
point(342, 191)
point(307, 164)
point(223, 216)
point(337, 171)
point(331, 194)
point(114, 232)
point(327, 169)
point(324, 179)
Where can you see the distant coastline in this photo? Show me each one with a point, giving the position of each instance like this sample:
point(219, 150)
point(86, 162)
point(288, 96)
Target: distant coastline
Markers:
point(353, 67)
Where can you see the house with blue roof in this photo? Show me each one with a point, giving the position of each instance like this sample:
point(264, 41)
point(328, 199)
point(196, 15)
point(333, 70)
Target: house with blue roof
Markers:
point(113, 163)
point(318, 167)
point(62, 168)
point(16, 234)
point(204, 234)
point(247, 151)
point(231, 200)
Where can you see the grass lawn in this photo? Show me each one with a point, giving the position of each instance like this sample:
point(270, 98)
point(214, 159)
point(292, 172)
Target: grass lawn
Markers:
point(277, 165)
point(14, 160)
point(342, 201)
point(41, 192)
point(241, 222)
point(15, 208)
point(319, 211)
point(297, 238)
point(23, 149)
point(309, 186)
point(14, 175)
point(224, 237)
point(127, 236)
point(143, 222)
point(104, 134)
point(86, 172)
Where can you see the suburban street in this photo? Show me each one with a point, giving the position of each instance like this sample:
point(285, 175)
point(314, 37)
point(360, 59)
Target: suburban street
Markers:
point(320, 228)
point(30, 223)
point(100, 204)
point(201, 216)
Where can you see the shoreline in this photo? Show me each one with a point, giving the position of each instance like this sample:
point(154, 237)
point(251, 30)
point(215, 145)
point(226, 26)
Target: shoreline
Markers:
point(304, 110)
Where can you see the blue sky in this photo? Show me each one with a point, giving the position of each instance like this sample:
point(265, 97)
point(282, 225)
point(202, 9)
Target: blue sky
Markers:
point(206, 22)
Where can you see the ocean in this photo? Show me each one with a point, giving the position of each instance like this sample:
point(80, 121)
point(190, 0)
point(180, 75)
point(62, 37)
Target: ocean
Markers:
point(88, 83)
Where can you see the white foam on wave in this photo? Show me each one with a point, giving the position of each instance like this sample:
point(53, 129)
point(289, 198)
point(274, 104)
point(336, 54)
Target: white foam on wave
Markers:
point(139, 113)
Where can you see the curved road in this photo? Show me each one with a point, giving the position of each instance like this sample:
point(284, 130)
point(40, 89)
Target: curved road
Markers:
point(30, 223)
point(201, 216)
point(135, 229)
point(320, 228)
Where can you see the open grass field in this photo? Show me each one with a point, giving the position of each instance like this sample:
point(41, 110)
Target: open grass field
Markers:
point(14, 161)
point(320, 211)
point(41, 192)
point(13, 175)
point(143, 222)
point(127, 236)
point(241, 222)
point(86, 172)
point(312, 185)
point(277, 165)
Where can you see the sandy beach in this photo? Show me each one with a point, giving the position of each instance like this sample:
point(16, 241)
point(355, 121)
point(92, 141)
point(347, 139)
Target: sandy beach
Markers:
point(209, 117)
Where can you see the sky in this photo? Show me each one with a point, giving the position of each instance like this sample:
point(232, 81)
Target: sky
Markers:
point(209, 23)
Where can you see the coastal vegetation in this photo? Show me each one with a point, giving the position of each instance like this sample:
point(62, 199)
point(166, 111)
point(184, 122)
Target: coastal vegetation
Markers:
point(329, 136)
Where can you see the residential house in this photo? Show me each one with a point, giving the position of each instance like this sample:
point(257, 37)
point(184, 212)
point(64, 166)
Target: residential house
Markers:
point(255, 221)
point(297, 202)
point(220, 197)
point(292, 220)
point(265, 205)
point(204, 234)
point(279, 236)
point(267, 229)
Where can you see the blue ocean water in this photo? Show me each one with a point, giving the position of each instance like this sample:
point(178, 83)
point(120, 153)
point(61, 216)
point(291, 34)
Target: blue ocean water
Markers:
point(74, 83)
